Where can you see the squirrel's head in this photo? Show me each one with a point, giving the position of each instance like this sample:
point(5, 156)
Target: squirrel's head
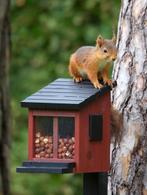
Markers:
point(106, 48)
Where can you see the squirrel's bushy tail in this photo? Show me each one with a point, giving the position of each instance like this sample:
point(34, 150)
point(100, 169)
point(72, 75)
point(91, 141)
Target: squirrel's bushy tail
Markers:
point(116, 125)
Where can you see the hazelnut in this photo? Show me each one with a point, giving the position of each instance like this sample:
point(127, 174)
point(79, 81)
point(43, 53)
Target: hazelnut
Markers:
point(47, 146)
point(37, 150)
point(65, 140)
point(38, 134)
point(73, 139)
point(42, 144)
point(41, 138)
point(47, 155)
point(61, 144)
point(70, 148)
point(60, 150)
point(45, 140)
point(64, 149)
point(60, 140)
point(59, 155)
point(42, 154)
point(48, 150)
point(67, 145)
point(37, 145)
point(63, 155)
point(37, 156)
point(50, 139)
point(67, 153)
point(51, 146)
point(37, 141)
point(41, 148)
point(70, 141)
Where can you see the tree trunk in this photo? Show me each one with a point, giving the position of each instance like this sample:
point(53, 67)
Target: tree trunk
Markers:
point(4, 96)
point(129, 156)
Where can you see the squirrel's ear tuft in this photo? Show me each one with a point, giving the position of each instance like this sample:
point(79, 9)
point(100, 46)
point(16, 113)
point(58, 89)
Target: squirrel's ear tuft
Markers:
point(99, 41)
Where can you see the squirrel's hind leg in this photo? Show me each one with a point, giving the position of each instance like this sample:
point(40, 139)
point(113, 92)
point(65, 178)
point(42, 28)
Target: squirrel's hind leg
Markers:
point(73, 70)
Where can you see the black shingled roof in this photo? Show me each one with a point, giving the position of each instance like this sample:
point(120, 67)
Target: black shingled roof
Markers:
point(63, 94)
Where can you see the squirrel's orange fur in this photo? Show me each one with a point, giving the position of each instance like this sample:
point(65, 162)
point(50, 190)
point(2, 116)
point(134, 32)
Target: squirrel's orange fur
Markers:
point(93, 62)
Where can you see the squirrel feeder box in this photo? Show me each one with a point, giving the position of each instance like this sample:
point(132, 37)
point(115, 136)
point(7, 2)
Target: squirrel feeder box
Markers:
point(68, 128)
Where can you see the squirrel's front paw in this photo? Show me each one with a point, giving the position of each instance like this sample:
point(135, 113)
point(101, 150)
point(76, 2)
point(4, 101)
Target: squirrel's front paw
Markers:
point(109, 82)
point(97, 85)
point(78, 79)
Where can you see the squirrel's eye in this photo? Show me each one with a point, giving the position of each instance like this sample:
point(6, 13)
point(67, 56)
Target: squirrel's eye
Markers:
point(105, 51)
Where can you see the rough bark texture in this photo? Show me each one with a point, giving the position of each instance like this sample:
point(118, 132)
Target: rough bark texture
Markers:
point(129, 156)
point(4, 96)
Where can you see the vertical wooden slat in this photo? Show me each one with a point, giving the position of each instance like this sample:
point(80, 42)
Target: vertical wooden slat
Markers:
point(30, 136)
point(55, 137)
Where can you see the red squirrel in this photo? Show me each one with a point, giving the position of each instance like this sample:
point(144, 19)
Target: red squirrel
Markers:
point(94, 62)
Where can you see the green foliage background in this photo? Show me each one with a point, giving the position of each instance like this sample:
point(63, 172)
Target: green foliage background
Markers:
point(44, 34)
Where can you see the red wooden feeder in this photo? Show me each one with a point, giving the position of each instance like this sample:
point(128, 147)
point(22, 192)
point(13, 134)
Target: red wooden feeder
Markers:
point(69, 128)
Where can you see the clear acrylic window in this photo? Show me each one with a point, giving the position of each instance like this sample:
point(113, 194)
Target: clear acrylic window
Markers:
point(66, 137)
point(43, 142)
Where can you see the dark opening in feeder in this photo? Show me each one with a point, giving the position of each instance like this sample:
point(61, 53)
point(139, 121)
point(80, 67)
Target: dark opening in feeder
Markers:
point(69, 128)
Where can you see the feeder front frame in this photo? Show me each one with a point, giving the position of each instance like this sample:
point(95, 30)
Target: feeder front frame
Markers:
point(55, 115)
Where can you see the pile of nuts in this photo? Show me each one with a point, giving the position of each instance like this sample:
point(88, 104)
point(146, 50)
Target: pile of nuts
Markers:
point(66, 148)
point(43, 146)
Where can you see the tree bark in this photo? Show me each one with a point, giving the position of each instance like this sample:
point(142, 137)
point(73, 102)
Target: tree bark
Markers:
point(4, 96)
point(129, 156)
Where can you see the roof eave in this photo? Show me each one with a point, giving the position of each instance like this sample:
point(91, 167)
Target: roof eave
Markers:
point(58, 106)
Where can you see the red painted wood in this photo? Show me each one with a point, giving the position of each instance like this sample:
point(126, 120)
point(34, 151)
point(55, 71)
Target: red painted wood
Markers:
point(30, 136)
point(94, 156)
point(54, 160)
point(53, 113)
point(55, 137)
point(77, 140)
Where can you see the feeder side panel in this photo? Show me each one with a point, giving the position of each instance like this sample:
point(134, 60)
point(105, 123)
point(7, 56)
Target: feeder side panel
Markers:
point(94, 156)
